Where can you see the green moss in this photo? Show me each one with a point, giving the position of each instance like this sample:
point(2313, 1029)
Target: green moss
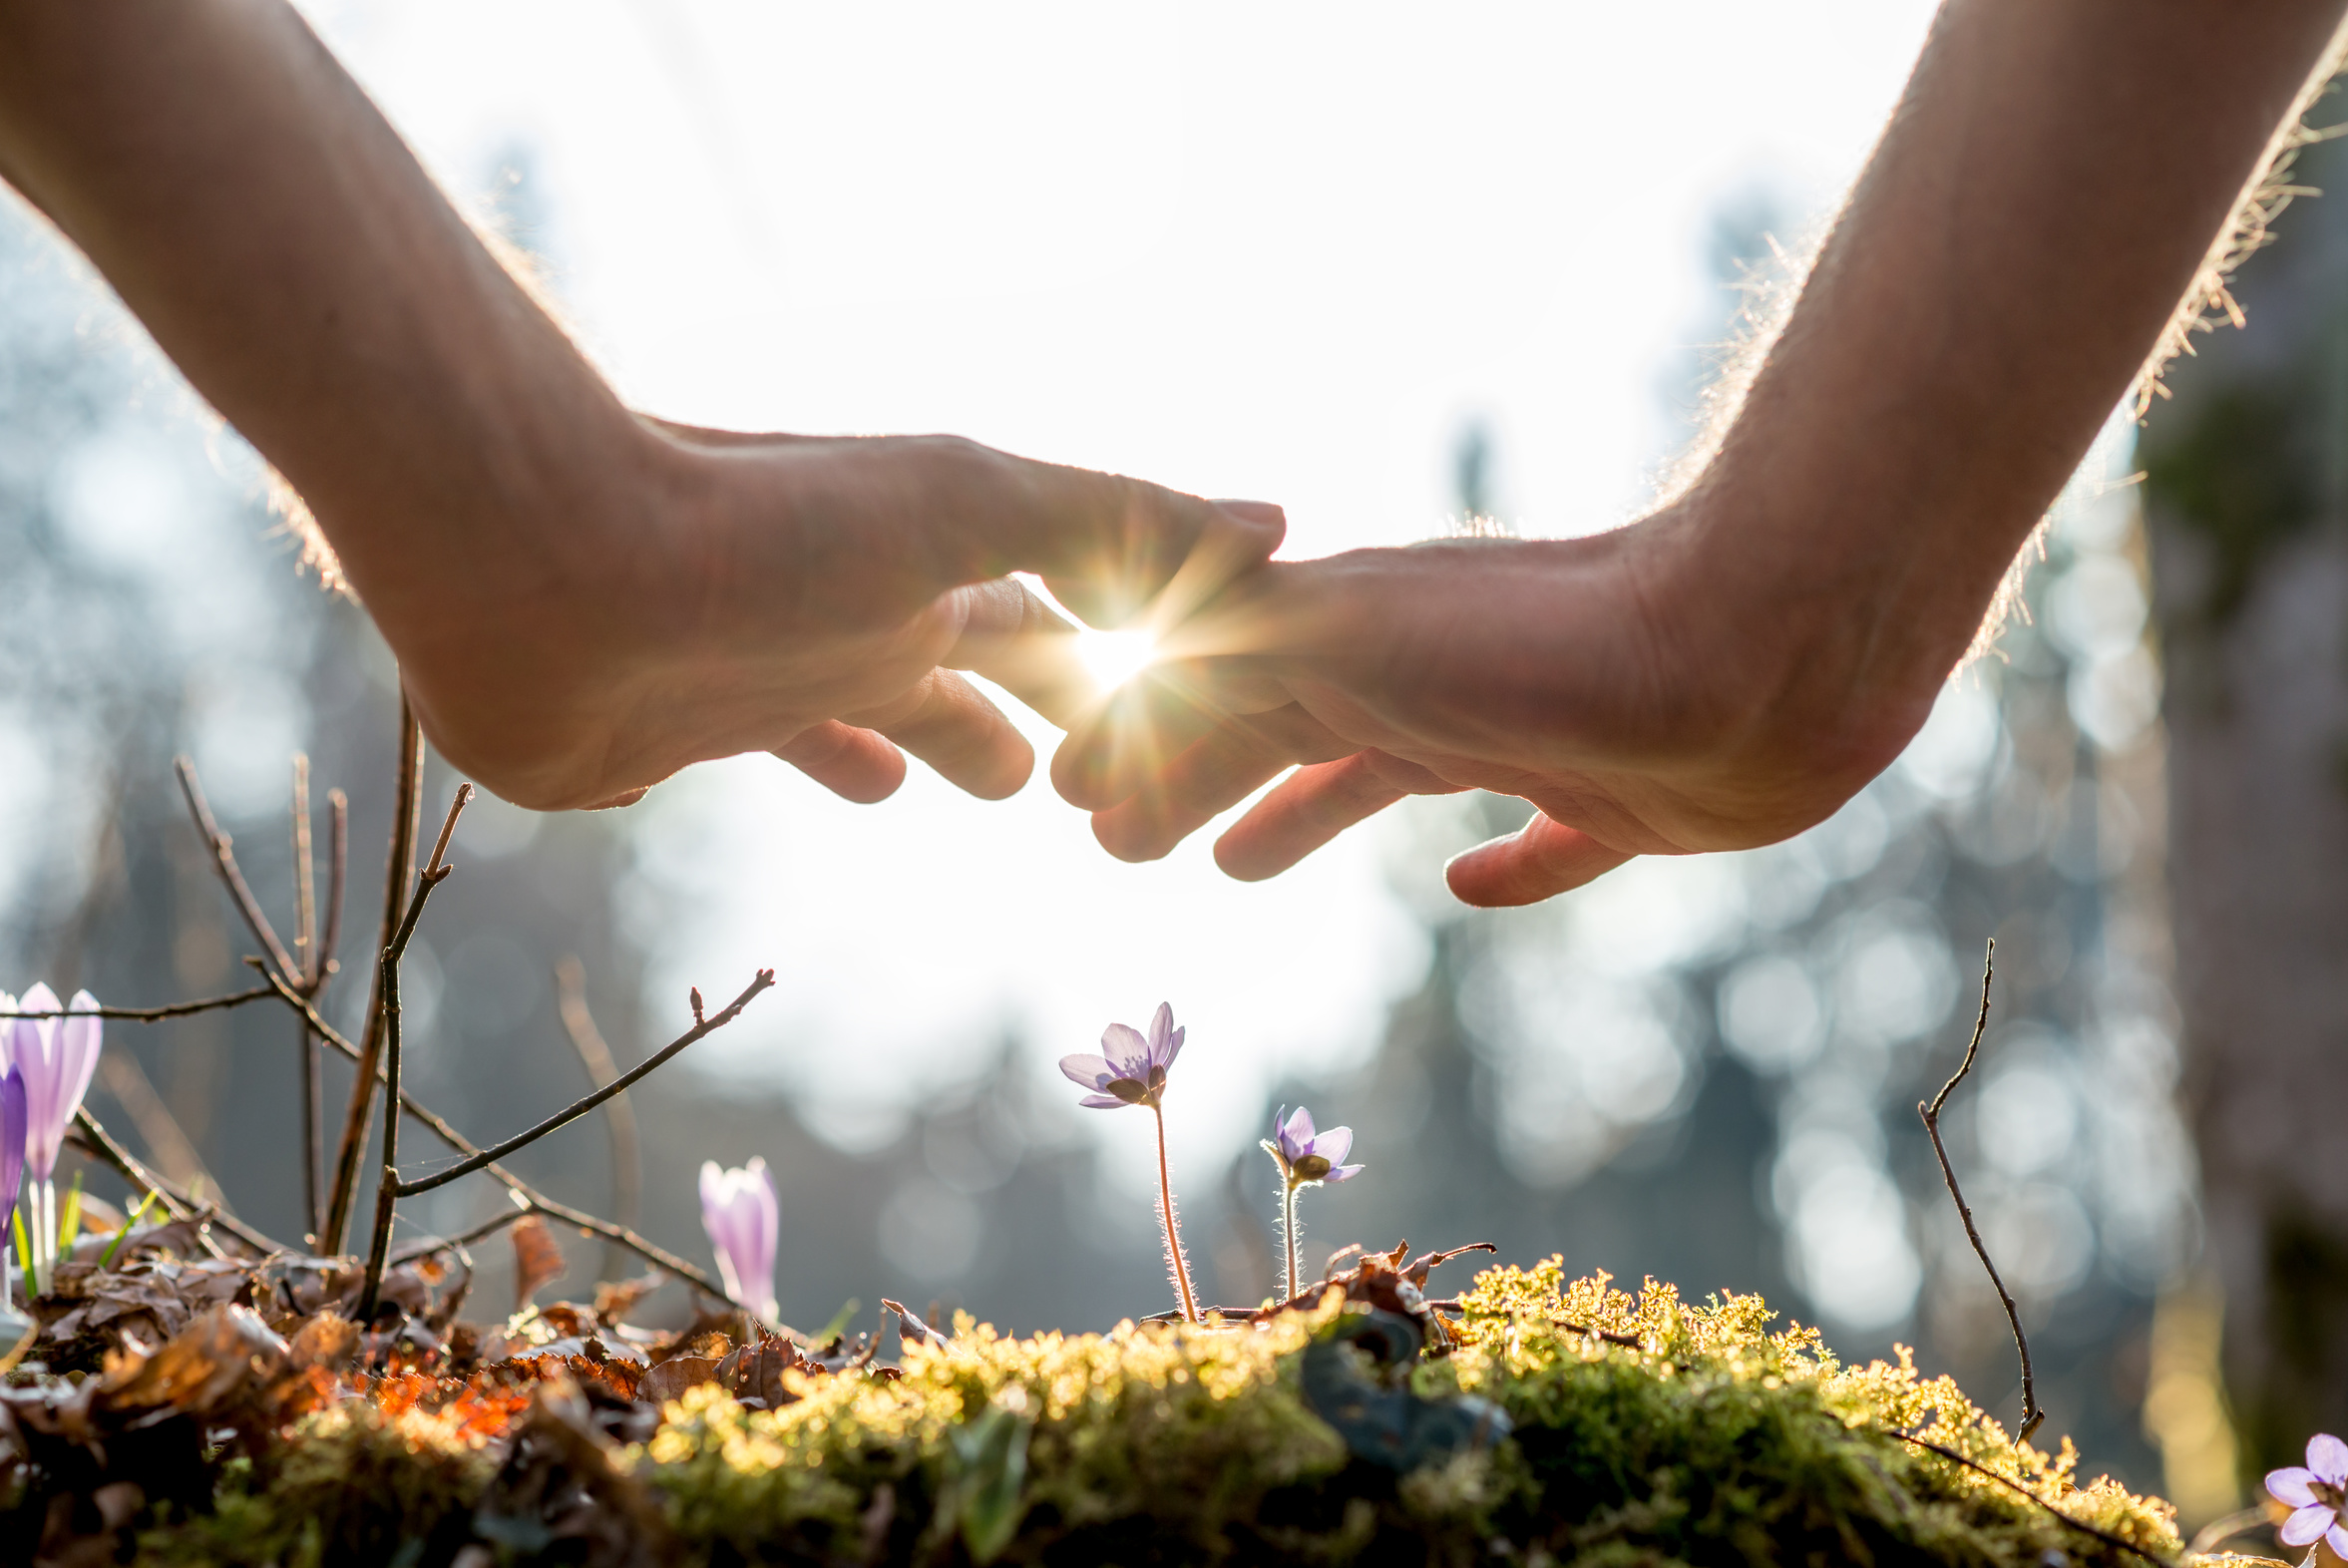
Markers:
point(1717, 1440)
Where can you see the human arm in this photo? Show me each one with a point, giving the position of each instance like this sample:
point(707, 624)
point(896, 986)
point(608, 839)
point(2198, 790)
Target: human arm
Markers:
point(1731, 668)
point(582, 599)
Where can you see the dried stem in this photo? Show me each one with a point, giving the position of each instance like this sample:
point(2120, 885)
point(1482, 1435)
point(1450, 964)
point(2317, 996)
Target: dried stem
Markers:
point(387, 1185)
point(580, 1107)
point(407, 806)
point(225, 860)
point(95, 1141)
point(305, 953)
point(660, 1257)
point(620, 1116)
point(1176, 1262)
point(1292, 1244)
point(2032, 1416)
point(2080, 1526)
point(177, 1009)
point(522, 1210)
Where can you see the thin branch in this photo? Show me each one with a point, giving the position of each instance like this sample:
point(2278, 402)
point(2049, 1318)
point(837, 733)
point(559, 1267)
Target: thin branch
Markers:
point(177, 1009)
point(2080, 1525)
point(580, 1107)
point(522, 1210)
point(387, 1185)
point(2032, 1414)
point(407, 807)
point(225, 861)
point(619, 1115)
point(306, 879)
point(95, 1141)
point(305, 953)
point(438, 1125)
point(158, 1128)
point(337, 864)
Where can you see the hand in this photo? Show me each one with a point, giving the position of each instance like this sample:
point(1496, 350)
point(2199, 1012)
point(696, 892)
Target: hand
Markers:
point(810, 598)
point(1611, 681)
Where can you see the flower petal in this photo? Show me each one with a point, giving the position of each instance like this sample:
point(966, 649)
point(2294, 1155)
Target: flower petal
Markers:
point(2338, 1539)
point(1126, 1051)
point(1087, 1068)
point(2305, 1525)
point(1334, 1144)
point(1296, 1134)
point(2289, 1487)
point(2327, 1456)
point(1173, 1048)
point(1101, 1102)
point(1345, 1173)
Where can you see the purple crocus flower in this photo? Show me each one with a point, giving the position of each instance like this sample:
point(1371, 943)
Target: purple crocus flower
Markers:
point(2316, 1495)
point(740, 1212)
point(1306, 1157)
point(55, 1056)
point(11, 1145)
point(1130, 1070)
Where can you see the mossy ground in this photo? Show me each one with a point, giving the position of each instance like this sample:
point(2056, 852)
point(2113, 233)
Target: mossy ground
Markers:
point(1716, 1441)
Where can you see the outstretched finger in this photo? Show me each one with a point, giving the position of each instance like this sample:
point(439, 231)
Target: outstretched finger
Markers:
point(1540, 861)
point(1316, 804)
point(1210, 778)
point(948, 723)
point(853, 763)
point(1109, 546)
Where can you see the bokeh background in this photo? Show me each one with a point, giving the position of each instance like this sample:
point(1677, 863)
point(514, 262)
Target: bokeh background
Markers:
point(1394, 268)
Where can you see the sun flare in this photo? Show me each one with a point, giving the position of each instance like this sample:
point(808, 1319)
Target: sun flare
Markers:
point(1115, 657)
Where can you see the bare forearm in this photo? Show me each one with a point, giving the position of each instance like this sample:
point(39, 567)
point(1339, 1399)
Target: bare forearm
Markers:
point(2046, 192)
point(285, 248)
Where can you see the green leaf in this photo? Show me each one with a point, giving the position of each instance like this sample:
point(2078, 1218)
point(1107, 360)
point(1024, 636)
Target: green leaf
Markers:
point(839, 1324)
point(991, 1452)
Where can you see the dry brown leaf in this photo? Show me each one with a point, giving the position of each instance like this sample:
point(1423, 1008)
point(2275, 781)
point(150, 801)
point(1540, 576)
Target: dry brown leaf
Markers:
point(538, 1258)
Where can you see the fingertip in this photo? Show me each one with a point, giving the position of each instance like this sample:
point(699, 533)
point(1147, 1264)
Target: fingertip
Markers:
point(1264, 515)
point(1544, 858)
point(623, 798)
point(1007, 775)
point(1128, 838)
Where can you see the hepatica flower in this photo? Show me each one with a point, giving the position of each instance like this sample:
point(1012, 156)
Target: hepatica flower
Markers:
point(1306, 1159)
point(1131, 1070)
point(738, 1211)
point(55, 1057)
point(2317, 1495)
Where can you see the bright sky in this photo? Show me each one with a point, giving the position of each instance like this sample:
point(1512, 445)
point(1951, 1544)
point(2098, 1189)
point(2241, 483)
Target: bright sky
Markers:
point(1281, 252)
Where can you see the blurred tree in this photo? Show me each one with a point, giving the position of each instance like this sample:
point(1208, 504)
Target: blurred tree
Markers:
point(2246, 492)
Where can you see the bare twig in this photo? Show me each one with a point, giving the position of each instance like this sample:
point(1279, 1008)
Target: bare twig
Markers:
point(95, 1141)
point(2080, 1525)
point(387, 1186)
point(323, 967)
point(2032, 1416)
point(620, 1116)
point(305, 953)
point(438, 1125)
point(337, 863)
point(580, 1107)
point(177, 1009)
point(523, 1209)
point(164, 1138)
point(305, 880)
point(231, 875)
point(406, 809)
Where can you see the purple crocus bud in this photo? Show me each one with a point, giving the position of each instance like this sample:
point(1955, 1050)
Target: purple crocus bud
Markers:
point(56, 1057)
point(2317, 1495)
point(740, 1212)
point(11, 1145)
point(1131, 1069)
point(1309, 1156)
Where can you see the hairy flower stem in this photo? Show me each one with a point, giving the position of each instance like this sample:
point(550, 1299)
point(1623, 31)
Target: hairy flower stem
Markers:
point(1176, 1263)
point(1290, 1238)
